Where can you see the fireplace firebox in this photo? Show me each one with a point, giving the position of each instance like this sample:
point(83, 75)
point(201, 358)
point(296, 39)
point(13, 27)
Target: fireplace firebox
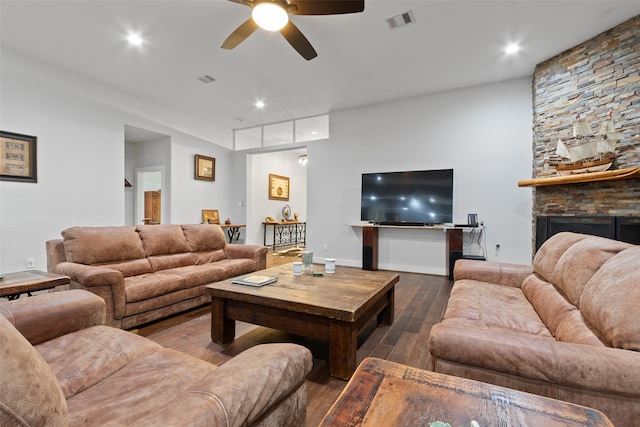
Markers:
point(623, 228)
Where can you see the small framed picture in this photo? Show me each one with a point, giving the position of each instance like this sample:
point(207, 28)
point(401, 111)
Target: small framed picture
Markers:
point(210, 216)
point(278, 187)
point(205, 168)
point(18, 157)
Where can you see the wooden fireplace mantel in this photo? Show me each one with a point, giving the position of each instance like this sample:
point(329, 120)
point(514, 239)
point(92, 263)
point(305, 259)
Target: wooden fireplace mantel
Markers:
point(612, 175)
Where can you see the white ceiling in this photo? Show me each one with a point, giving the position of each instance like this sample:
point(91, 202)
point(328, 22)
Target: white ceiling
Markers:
point(453, 44)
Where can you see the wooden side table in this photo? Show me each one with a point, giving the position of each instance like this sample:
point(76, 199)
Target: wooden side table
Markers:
point(233, 231)
point(383, 393)
point(14, 284)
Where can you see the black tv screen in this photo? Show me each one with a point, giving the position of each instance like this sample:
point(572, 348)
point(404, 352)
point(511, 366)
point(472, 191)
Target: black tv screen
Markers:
point(403, 198)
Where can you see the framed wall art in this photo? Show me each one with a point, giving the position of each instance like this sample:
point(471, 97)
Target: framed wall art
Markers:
point(278, 187)
point(210, 216)
point(18, 157)
point(205, 168)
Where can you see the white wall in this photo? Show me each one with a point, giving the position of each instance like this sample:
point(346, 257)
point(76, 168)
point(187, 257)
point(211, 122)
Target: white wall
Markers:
point(190, 196)
point(483, 133)
point(80, 129)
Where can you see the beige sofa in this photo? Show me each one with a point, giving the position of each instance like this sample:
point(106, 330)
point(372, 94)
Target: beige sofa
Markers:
point(147, 272)
point(567, 327)
point(61, 366)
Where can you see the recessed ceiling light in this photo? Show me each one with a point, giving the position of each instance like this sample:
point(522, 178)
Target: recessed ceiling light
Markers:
point(259, 104)
point(511, 48)
point(135, 39)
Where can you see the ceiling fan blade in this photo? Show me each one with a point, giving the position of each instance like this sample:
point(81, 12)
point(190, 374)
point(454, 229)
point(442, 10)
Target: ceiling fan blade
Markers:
point(299, 42)
point(325, 7)
point(241, 33)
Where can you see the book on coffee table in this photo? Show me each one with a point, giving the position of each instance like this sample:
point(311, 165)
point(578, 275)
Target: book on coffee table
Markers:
point(255, 280)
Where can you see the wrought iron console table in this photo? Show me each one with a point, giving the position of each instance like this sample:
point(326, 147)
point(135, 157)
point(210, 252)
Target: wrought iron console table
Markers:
point(286, 233)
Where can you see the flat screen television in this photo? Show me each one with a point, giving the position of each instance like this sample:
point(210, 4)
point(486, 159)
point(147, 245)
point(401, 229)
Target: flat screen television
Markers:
point(407, 198)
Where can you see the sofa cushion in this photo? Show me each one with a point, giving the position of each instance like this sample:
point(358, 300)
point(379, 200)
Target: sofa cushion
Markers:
point(123, 398)
point(162, 239)
point(575, 329)
point(196, 275)
point(204, 237)
point(30, 395)
point(546, 258)
point(207, 257)
point(93, 245)
point(129, 268)
point(236, 267)
point(580, 262)
point(164, 262)
point(563, 319)
point(611, 300)
point(494, 306)
point(146, 286)
point(84, 358)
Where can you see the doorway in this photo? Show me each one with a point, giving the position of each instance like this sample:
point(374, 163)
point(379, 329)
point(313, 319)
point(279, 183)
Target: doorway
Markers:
point(147, 167)
point(150, 203)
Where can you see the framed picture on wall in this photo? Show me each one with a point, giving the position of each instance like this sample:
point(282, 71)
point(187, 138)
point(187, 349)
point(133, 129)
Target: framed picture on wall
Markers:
point(18, 157)
point(278, 187)
point(205, 168)
point(210, 216)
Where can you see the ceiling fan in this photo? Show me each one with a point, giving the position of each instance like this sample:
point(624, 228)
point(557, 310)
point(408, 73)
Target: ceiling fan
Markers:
point(273, 15)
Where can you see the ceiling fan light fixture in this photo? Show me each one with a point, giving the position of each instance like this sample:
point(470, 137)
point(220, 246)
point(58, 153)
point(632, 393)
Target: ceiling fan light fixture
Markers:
point(270, 16)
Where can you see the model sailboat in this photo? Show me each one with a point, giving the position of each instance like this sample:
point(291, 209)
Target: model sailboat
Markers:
point(586, 152)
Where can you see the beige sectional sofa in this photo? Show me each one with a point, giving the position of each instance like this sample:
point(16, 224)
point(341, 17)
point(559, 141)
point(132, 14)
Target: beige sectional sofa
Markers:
point(147, 272)
point(61, 366)
point(567, 327)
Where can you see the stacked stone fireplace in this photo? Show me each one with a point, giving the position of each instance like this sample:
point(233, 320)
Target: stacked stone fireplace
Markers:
point(590, 79)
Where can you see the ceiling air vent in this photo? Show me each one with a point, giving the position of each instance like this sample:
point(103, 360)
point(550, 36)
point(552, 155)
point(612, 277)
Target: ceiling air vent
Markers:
point(401, 20)
point(206, 79)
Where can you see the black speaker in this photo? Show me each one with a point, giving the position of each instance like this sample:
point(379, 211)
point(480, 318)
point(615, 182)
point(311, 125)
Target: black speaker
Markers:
point(453, 257)
point(370, 248)
point(367, 258)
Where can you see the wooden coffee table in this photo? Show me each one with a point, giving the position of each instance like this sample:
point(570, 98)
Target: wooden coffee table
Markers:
point(383, 393)
point(14, 284)
point(332, 308)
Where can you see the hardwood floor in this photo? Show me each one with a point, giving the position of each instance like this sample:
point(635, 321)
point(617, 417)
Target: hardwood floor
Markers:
point(420, 301)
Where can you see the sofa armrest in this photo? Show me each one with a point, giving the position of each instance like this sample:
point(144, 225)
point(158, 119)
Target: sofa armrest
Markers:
point(251, 383)
point(105, 282)
point(46, 316)
point(254, 252)
point(493, 272)
point(90, 276)
point(600, 369)
point(55, 254)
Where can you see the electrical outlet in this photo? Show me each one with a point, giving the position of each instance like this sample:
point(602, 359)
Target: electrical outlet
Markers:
point(31, 262)
point(326, 247)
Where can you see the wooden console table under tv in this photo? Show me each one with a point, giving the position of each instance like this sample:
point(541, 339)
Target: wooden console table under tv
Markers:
point(454, 241)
